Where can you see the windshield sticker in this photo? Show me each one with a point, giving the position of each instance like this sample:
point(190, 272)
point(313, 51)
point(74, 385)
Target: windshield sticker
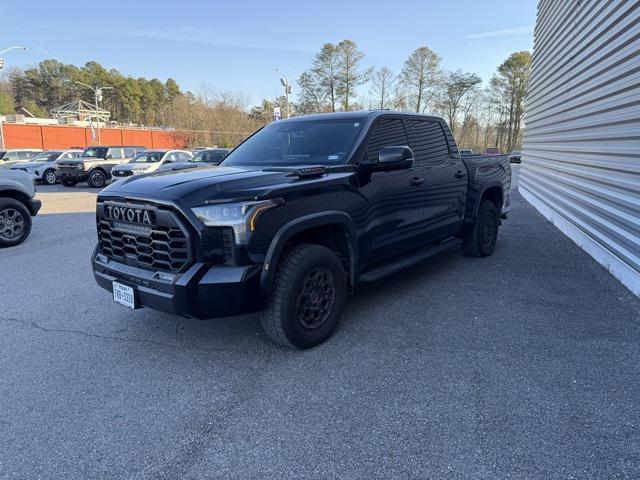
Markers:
point(333, 157)
point(356, 124)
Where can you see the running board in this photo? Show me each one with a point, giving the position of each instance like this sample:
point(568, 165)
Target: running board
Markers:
point(409, 260)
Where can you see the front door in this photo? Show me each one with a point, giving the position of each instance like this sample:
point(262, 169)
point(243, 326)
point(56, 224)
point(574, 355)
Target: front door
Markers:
point(395, 198)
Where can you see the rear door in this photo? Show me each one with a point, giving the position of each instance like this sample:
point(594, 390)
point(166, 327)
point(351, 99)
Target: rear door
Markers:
point(445, 179)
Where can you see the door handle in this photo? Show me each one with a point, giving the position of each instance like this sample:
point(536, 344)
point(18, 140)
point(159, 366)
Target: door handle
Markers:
point(415, 181)
point(459, 174)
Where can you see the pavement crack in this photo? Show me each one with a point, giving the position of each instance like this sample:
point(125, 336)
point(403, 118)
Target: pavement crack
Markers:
point(33, 324)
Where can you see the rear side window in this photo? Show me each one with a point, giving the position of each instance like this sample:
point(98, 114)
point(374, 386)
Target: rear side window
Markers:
point(429, 144)
point(24, 155)
point(129, 152)
point(116, 153)
point(387, 132)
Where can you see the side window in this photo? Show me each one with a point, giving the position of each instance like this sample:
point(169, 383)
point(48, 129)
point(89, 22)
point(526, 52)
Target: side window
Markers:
point(116, 153)
point(429, 144)
point(24, 155)
point(387, 132)
point(129, 152)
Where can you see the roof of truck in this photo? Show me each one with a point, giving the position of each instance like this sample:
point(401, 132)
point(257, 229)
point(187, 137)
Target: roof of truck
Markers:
point(357, 115)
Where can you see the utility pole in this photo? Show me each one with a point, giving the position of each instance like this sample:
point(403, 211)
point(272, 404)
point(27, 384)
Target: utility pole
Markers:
point(287, 88)
point(97, 92)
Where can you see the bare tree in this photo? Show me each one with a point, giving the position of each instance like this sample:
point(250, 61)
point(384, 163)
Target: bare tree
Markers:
point(382, 84)
point(350, 73)
point(419, 77)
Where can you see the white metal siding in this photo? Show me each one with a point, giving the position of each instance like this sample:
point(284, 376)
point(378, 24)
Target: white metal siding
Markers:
point(581, 158)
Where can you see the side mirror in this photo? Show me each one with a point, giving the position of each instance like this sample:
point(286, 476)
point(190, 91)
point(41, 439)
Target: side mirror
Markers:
point(394, 158)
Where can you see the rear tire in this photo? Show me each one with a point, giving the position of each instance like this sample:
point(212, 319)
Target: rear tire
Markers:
point(307, 299)
point(69, 183)
point(481, 242)
point(97, 179)
point(15, 222)
point(49, 177)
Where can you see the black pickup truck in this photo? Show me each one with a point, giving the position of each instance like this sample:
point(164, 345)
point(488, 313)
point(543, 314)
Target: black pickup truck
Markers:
point(295, 217)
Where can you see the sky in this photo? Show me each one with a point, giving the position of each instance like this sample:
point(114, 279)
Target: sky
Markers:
point(235, 45)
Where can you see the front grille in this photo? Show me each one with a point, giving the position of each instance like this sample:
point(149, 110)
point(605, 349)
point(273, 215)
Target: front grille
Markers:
point(70, 167)
point(163, 246)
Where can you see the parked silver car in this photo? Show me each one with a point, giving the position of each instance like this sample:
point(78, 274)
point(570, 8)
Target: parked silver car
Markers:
point(17, 206)
point(43, 166)
point(151, 161)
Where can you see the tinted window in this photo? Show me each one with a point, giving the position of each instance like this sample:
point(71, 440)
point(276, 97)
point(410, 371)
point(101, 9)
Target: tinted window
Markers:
point(387, 132)
point(429, 144)
point(323, 142)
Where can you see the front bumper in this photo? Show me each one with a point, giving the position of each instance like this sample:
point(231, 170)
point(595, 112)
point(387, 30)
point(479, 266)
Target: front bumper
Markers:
point(203, 291)
point(79, 176)
point(34, 206)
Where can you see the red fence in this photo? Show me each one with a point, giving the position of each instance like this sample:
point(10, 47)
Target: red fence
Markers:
point(64, 136)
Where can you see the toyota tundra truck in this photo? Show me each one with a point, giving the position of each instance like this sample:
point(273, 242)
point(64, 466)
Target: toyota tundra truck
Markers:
point(295, 218)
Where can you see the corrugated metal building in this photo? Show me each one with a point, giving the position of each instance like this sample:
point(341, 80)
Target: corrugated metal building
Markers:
point(581, 159)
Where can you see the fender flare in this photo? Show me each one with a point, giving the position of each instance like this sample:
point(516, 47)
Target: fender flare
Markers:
point(301, 224)
point(481, 193)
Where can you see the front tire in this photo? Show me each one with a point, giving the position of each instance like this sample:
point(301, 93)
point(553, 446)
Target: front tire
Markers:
point(15, 222)
point(97, 179)
point(49, 177)
point(481, 242)
point(307, 299)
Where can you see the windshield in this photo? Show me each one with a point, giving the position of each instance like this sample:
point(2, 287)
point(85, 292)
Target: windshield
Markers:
point(147, 157)
point(98, 152)
point(209, 156)
point(46, 157)
point(320, 142)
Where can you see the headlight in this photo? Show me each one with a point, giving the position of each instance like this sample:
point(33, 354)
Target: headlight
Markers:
point(240, 216)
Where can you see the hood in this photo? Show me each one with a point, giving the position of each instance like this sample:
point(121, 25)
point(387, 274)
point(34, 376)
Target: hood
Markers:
point(135, 167)
point(194, 186)
point(30, 164)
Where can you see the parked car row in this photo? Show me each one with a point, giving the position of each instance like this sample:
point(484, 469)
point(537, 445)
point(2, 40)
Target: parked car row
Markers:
point(98, 165)
point(514, 157)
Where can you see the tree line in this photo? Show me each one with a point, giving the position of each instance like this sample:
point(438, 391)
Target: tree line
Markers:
point(479, 115)
point(338, 78)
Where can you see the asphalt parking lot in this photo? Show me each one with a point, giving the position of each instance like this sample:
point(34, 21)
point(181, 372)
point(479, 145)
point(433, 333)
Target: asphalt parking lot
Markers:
point(521, 365)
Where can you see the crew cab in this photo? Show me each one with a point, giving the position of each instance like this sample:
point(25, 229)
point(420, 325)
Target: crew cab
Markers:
point(95, 164)
point(17, 205)
point(150, 161)
point(295, 218)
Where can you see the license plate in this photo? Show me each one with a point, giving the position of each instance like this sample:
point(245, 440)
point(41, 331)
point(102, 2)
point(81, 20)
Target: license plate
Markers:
point(124, 295)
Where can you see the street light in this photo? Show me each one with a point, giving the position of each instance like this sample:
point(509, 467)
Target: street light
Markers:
point(97, 92)
point(287, 88)
point(2, 61)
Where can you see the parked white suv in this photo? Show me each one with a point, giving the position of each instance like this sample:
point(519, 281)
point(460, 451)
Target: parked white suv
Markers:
point(13, 155)
point(43, 166)
point(17, 206)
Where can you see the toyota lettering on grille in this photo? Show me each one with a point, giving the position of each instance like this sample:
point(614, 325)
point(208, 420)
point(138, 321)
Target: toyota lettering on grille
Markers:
point(129, 214)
